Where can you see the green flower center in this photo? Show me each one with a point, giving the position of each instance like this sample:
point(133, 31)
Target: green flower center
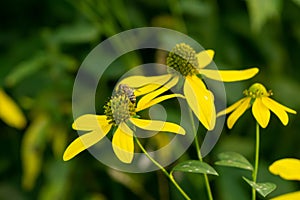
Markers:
point(183, 59)
point(257, 90)
point(120, 106)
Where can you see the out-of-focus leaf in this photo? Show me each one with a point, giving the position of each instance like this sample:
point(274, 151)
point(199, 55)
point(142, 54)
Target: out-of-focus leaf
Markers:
point(56, 181)
point(232, 159)
point(297, 2)
point(32, 148)
point(10, 112)
point(260, 11)
point(76, 33)
point(25, 69)
point(262, 188)
point(195, 166)
point(195, 8)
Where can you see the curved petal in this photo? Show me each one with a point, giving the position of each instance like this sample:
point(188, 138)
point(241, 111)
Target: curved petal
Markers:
point(85, 141)
point(146, 89)
point(155, 125)
point(158, 100)
point(277, 109)
point(149, 97)
point(201, 101)
point(89, 122)
point(235, 115)
point(287, 168)
point(261, 112)
point(230, 108)
point(122, 143)
point(10, 112)
point(140, 81)
point(229, 75)
point(205, 57)
point(288, 196)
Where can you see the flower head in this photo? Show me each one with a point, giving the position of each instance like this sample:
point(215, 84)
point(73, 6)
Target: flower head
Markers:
point(258, 97)
point(185, 63)
point(120, 111)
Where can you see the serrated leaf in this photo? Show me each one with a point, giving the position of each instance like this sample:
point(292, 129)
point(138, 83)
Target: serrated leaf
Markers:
point(232, 159)
point(195, 166)
point(262, 188)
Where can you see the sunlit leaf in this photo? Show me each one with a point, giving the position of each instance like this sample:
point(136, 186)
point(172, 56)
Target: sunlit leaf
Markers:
point(232, 159)
point(261, 11)
point(195, 166)
point(262, 188)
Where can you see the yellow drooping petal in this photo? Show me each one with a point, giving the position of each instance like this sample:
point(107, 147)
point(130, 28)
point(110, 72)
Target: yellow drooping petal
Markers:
point(89, 122)
point(261, 112)
point(230, 108)
point(146, 89)
point(10, 112)
point(85, 141)
point(122, 143)
point(158, 100)
point(201, 101)
point(155, 125)
point(287, 168)
point(288, 196)
point(205, 57)
point(140, 81)
point(142, 103)
point(229, 75)
point(235, 115)
point(277, 109)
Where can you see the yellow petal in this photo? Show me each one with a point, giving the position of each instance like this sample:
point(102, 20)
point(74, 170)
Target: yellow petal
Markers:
point(155, 125)
point(10, 112)
point(277, 109)
point(230, 108)
point(85, 141)
point(89, 122)
point(235, 115)
point(140, 81)
point(158, 100)
point(149, 97)
point(229, 75)
point(201, 101)
point(287, 168)
point(288, 196)
point(146, 89)
point(205, 57)
point(261, 112)
point(122, 143)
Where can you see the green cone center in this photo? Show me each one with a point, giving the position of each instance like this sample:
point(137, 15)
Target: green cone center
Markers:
point(257, 90)
point(183, 59)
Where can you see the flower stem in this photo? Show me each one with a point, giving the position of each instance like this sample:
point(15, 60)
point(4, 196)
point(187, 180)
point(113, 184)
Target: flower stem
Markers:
point(209, 193)
point(254, 174)
point(170, 176)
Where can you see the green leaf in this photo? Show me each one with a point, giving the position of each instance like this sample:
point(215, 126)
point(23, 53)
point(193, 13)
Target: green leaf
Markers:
point(195, 166)
point(261, 11)
point(262, 188)
point(232, 159)
point(297, 2)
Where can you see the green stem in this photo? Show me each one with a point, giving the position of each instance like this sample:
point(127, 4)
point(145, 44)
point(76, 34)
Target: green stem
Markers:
point(170, 176)
point(254, 174)
point(209, 193)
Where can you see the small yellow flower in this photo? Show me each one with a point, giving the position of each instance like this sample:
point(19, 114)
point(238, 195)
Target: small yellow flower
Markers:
point(10, 113)
point(258, 97)
point(187, 63)
point(120, 111)
point(289, 169)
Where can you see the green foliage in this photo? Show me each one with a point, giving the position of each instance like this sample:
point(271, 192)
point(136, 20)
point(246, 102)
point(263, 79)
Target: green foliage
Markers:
point(262, 188)
point(233, 159)
point(195, 166)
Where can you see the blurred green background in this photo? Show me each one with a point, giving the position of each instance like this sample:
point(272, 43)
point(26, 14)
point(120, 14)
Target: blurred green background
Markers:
point(43, 44)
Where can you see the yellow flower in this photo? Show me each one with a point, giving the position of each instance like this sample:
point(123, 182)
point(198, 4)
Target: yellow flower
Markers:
point(187, 63)
point(289, 169)
point(120, 112)
point(258, 97)
point(10, 113)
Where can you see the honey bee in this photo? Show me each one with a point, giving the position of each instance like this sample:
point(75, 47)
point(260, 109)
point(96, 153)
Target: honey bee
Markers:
point(128, 91)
